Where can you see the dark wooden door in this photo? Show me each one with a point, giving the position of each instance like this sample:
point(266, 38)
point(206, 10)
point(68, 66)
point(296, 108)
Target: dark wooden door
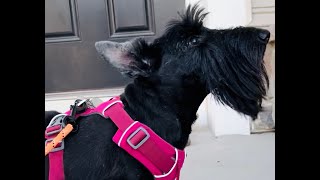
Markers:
point(73, 26)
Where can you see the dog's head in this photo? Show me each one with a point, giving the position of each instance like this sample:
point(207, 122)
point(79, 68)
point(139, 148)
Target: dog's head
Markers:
point(227, 62)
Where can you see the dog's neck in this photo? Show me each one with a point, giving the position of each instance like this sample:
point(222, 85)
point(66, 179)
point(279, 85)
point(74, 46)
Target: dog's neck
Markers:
point(168, 107)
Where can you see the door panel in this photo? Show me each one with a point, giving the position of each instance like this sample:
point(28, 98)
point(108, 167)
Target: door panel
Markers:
point(73, 26)
point(61, 21)
point(138, 21)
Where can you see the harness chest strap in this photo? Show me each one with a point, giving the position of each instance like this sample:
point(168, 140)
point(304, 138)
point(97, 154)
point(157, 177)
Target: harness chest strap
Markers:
point(159, 157)
point(56, 154)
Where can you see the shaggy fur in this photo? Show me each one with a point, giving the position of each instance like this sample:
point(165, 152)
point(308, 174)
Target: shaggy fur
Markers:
point(172, 76)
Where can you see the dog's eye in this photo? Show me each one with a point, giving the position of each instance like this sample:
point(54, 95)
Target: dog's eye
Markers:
point(194, 41)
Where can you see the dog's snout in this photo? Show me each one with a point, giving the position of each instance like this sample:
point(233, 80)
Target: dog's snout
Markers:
point(264, 36)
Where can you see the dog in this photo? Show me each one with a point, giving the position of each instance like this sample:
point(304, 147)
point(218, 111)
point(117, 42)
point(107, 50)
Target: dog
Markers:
point(171, 77)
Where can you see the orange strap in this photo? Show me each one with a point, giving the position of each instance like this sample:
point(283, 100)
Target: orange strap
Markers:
point(63, 133)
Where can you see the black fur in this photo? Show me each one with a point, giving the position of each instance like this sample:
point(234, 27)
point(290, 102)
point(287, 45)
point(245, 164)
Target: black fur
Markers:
point(172, 76)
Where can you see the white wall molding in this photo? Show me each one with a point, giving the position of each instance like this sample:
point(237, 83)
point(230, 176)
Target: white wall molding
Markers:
point(100, 93)
point(263, 13)
point(62, 101)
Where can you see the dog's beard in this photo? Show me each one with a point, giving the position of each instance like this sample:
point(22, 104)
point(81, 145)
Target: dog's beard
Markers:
point(237, 79)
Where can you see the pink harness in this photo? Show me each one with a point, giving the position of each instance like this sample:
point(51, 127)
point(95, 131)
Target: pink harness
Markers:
point(162, 159)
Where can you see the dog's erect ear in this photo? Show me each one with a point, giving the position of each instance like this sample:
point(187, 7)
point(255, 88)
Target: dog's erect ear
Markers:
point(133, 58)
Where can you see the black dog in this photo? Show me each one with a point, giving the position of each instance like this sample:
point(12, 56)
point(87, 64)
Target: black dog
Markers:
point(172, 76)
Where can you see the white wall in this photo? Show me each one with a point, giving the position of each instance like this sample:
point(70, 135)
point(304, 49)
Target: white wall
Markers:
point(225, 13)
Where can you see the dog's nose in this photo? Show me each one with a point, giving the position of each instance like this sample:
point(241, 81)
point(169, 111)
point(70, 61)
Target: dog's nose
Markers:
point(264, 36)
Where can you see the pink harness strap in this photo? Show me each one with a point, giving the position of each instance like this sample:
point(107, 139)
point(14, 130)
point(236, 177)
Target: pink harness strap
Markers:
point(159, 157)
point(56, 165)
point(56, 171)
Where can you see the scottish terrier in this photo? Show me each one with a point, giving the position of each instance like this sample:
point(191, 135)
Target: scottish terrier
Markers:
point(171, 77)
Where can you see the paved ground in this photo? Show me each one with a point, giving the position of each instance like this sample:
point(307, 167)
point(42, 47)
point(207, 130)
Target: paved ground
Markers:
point(232, 157)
